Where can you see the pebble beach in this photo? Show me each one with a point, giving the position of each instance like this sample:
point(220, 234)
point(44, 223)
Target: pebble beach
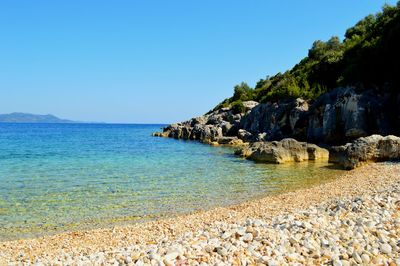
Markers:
point(352, 220)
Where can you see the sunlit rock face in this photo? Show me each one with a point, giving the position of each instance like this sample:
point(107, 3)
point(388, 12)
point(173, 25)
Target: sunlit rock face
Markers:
point(212, 128)
point(284, 151)
point(374, 148)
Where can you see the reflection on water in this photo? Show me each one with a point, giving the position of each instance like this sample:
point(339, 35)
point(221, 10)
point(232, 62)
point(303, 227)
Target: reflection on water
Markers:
point(70, 176)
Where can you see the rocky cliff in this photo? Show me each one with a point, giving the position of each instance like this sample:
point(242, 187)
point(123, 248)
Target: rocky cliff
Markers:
point(341, 91)
point(336, 117)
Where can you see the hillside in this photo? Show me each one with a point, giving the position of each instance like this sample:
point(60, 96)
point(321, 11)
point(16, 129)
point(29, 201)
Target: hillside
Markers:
point(368, 58)
point(343, 90)
point(31, 118)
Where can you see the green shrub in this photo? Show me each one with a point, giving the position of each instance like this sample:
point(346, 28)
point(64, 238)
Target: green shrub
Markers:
point(238, 107)
point(368, 56)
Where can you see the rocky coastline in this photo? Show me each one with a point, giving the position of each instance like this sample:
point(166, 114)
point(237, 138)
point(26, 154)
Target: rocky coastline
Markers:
point(346, 124)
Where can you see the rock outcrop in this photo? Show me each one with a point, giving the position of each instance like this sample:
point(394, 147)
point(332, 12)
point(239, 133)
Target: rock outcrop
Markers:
point(286, 150)
point(374, 148)
point(343, 115)
point(276, 120)
point(336, 117)
point(218, 127)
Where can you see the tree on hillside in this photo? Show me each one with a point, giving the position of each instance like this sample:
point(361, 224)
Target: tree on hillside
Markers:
point(242, 92)
point(368, 57)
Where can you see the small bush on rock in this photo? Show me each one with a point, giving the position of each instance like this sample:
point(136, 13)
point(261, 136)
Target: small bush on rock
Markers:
point(238, 107)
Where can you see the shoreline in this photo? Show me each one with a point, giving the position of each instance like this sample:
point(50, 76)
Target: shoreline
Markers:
point(295, 176)
point(363, 181)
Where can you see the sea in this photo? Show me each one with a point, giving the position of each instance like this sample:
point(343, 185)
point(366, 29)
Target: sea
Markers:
point(66, 177)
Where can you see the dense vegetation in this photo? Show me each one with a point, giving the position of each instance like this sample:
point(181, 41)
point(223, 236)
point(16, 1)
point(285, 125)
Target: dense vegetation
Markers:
point(368, 57)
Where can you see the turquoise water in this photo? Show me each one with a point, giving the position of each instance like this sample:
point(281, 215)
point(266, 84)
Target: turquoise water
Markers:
point(57, 177)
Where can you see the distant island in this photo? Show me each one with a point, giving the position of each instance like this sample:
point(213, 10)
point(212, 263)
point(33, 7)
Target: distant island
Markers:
point(31, 118)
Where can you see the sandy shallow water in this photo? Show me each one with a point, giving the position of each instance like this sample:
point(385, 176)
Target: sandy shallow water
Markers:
point(364, 181)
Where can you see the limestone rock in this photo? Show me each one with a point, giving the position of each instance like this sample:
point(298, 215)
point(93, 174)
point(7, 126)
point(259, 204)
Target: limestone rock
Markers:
point(286, 150)
point(344, 114)
point(248, 105)
point(245, 135)
point(160, 134)
point(231, 141)
point(198, 120)
point(277, 120)
point(336, 117)
point(374, 148)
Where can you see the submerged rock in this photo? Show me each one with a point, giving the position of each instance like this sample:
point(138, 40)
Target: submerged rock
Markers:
point(286, 150)
point(374, 148)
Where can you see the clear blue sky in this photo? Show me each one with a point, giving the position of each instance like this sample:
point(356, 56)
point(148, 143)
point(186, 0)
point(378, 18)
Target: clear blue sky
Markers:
point(153, 61)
